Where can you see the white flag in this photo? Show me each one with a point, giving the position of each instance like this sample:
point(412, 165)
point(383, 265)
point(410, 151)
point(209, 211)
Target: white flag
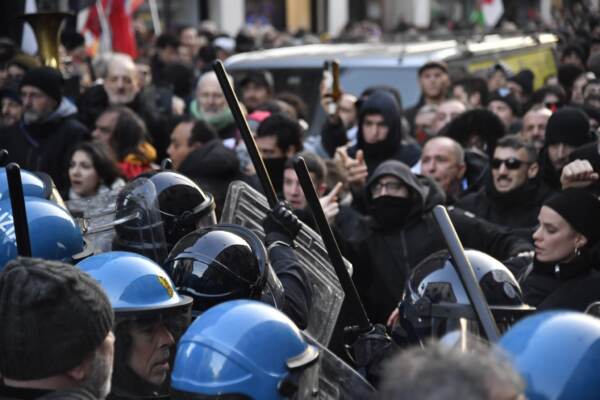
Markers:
point(492, 11)
point(28, 42)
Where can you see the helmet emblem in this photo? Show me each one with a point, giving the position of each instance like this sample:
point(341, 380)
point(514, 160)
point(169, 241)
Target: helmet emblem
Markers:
point(166, 285)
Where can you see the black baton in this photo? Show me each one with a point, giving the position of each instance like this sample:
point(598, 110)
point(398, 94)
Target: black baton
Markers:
point(331, 245)
point(242, 125)
point(17, 201)
point(466, 274)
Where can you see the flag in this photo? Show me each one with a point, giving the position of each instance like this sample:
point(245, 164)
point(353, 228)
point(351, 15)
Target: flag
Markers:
point(492, 11)
point(109, 26)
point(28, 42)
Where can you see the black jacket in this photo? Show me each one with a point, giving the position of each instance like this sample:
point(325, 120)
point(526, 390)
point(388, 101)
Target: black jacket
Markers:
point(517, 210)
point(383, 258)
point(45, 146)
point(573, 285)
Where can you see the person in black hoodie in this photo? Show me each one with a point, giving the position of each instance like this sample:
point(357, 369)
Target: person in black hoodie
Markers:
point(564, 272)
point(402, 231)
point(48, 127)
point(567, 129)
point(380, 133)
point(512, 195)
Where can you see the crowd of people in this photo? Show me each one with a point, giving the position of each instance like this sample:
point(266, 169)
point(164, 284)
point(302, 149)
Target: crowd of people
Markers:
point(176, 308)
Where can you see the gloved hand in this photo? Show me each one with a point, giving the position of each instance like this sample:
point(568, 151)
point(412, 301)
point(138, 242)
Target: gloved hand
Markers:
point(281, 224)
point(371, 349)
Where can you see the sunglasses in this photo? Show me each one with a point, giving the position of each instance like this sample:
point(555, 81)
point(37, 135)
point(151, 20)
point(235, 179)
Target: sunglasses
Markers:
point(510, 163)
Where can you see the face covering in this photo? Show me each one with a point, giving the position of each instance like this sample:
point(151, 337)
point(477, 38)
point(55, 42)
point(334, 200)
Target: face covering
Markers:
point(275, 168)
point(390, 211)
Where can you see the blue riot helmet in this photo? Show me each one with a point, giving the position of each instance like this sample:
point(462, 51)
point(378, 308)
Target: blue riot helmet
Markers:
point(219, 263)
point(557, 353)
point(435, 301)
point(35, 184)
point(54, 234)
point(168, 205)
point(241, 349)
point(147, 309)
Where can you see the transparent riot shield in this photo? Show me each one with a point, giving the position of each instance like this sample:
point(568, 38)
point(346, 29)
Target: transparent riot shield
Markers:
point(331, 378)
point(128, 219)
point(247, 207)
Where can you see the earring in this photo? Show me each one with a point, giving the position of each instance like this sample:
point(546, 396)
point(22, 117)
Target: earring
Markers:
point(577, 252)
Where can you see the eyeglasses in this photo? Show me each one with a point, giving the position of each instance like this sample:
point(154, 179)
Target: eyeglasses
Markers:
point(510, 163)
point(390, 187)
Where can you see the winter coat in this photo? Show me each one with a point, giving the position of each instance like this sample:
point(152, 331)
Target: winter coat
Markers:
point(574, 285)
point(45, 146)
point(11, 393)
point(517, 210)
point(383, 258)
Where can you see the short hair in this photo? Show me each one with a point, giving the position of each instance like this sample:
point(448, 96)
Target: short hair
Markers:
point(314, 164)
point(516, 142)
point(287, 131)
point(296, 102)
point(202, 132)
point(211, 74)
point(119, 57)
point(473, 84)
point(439, 372)
point(427, 108)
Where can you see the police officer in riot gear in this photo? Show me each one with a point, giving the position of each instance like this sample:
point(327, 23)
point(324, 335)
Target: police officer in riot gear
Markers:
point(155, 210)
point(150, 316)
point(435, 301)
point(260, 352)
point(226, 262)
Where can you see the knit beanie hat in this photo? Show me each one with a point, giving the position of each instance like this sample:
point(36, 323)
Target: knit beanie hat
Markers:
point(568, 125)
point(581, 209)
point(525, 79)
point(47, 79)
point(506, 96)
point(52, 316)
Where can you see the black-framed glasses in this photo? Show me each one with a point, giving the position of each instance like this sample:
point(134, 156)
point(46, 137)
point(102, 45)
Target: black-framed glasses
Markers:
point(510, 163)
point(390, 187)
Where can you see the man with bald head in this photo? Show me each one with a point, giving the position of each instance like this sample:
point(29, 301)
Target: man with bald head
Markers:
point(121, 83)
point(210, 105)
point(443, 160)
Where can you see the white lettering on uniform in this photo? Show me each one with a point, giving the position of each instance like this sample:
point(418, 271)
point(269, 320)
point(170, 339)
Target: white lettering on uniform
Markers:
point(7, 225)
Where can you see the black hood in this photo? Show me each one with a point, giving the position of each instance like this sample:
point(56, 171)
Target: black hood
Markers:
point(382, 103)
point(426, 193)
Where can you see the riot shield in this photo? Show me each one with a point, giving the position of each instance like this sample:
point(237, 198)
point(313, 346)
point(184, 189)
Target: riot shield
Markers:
point(247, 207)
point(128, 219)
point(331, 378)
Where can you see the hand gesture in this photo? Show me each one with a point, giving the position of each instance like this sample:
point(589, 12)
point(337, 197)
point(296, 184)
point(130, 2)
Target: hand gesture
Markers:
point(578, 174)
point(355, 167)
point(330, 204)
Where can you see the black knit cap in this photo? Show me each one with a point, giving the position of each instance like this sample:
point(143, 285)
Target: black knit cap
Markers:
point(47, 79)
point(581, 209)
point(568, 125)
point(506, 96)
point(52, 316)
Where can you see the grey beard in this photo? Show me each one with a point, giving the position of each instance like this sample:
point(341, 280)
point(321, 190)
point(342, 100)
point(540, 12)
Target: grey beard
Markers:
point(99, 380)
point(31, 117)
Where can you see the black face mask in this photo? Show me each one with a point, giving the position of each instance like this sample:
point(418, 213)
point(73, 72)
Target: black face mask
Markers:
point(390, 211)
point(275, 168)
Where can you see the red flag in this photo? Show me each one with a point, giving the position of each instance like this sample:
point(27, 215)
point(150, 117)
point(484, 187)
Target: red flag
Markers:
point(118, 14)
point(123, 38)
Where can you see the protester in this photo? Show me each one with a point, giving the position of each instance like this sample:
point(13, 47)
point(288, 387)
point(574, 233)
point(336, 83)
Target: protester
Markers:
point(513, 194)
point(92, 171)
point(56, 338)
point(49, 126)
point(443, 160)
